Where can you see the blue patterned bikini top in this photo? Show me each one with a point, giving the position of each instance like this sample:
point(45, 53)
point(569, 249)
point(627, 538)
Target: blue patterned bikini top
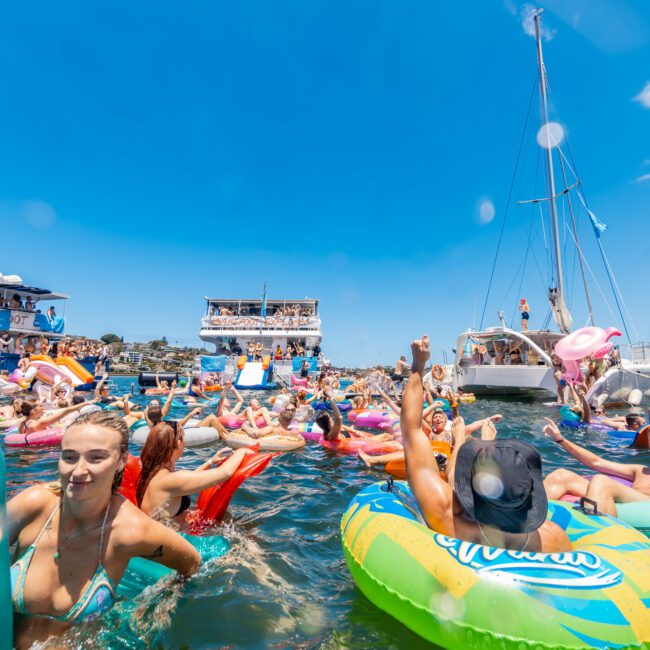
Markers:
point(96, 599)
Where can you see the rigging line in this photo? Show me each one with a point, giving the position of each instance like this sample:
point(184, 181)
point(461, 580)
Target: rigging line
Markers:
point(505, 215)
point(616, 291)
point(595, 279)
point(575, 232)
point(610, 273)
point(539, 270)
point(547, 256)
point(512, 281)
point(523, 273)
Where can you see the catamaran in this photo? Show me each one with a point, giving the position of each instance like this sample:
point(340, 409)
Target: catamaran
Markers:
point(502, 360)
point(259, 342)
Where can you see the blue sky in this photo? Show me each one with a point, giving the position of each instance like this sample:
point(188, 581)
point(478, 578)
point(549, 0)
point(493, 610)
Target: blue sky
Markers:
point(154, 153)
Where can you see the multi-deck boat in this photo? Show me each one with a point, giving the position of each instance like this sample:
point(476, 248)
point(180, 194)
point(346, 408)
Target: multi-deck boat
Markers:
point(28, 322)
point(31, 313)
point(234, 326)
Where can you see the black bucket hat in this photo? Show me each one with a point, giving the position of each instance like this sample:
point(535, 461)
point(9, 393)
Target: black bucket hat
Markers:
point(499, 483)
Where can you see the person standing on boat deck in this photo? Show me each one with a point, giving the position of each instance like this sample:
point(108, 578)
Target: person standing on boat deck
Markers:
point(401, 369)
point(524, 308)
point(511, 517)
point(304, 369)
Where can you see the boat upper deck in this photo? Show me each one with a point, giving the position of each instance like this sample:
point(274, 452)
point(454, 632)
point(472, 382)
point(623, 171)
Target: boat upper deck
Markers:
point(21, 311)
point(289, 317)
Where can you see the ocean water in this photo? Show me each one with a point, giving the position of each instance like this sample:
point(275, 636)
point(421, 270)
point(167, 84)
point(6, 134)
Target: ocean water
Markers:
point(284, 583)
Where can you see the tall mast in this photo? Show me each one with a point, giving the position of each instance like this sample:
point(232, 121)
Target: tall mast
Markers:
point(561, 315)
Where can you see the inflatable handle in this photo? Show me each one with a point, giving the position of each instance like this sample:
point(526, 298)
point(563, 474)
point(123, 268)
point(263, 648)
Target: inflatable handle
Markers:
point(593, 510)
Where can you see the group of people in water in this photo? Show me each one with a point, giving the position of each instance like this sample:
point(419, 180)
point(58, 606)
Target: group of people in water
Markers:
point(74, 536)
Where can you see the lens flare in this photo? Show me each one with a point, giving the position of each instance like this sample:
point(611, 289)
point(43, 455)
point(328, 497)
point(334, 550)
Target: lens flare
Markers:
point(486, 210)
point(550, 135)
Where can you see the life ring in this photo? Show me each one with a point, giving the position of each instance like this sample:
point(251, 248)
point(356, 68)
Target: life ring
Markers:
point(438, 372)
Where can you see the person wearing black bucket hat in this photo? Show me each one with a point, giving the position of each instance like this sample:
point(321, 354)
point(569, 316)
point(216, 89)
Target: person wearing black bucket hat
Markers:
point(495, 494)
point(499, 483)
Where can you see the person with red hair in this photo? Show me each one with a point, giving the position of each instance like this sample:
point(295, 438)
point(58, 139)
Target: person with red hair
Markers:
point(164, 493)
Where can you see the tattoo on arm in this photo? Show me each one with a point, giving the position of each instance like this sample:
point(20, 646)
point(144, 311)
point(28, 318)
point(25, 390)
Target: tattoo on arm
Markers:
point(156, 554)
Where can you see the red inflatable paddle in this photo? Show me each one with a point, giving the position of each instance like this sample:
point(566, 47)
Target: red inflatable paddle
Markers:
point(213, 502)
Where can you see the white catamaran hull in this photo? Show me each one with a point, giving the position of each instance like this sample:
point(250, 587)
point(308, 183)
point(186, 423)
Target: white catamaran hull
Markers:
point(506, 380)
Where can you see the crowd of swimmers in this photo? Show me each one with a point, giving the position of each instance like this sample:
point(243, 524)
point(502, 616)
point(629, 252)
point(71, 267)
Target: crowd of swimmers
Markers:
point(74, 536)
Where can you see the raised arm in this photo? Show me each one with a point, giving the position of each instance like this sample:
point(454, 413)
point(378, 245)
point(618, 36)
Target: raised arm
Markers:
point(186, 482)
point(240, 401)
point(391, 404)
point(99, 385)
point(158, 385)
point(55, 416)
point(337, 418)
point(221, 404)
point(126, 407)
point(188, 417)
point(433, 495)
point(588, 458)
point(168, 402)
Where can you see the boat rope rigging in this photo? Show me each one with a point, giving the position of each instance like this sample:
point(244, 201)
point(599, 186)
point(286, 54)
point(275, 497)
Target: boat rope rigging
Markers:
point(505, 214)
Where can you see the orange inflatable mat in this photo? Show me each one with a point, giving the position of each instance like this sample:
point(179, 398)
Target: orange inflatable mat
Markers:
point(397, 468)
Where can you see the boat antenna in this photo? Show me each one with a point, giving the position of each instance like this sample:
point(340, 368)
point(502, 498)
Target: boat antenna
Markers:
point(556, 294)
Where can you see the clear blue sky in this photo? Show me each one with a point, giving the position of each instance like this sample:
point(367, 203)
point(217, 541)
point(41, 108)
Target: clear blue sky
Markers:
point(155, 153)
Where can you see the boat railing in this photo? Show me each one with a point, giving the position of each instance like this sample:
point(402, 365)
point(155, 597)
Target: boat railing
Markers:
point(258, 322)
point(18, 320)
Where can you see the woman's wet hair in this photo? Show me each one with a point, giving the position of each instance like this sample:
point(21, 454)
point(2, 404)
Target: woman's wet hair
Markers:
point(26, 408)
point(157, 453)
point(109, 420)
point(154, 413)
point(324, 421)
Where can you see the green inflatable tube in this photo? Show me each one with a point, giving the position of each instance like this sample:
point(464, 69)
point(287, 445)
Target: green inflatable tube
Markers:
point(141, 573)
point(6, 607)
point(465, 596)
point(636, 515)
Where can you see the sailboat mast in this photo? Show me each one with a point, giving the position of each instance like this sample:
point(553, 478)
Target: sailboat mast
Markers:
point(549, 162)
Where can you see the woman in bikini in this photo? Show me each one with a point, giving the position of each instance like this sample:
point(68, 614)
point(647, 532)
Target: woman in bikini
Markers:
point(164, 493)
point(75, 537)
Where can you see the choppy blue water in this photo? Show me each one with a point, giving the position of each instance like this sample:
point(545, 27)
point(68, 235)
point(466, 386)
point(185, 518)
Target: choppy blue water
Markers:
point(284, 583)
